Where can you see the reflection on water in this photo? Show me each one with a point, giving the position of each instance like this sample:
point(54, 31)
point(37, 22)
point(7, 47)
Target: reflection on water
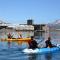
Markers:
point(9, 44)
point(13, 51)
point(32, 56)
point(48, 56)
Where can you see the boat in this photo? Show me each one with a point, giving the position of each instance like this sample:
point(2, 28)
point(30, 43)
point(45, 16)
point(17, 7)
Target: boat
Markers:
point(41, 50)
point(17, 39)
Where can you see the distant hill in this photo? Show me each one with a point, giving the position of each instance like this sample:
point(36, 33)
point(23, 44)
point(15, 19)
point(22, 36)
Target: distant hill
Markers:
point(55, 24)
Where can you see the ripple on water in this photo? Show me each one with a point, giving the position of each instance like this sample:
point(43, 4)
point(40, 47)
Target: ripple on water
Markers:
point(15, 53)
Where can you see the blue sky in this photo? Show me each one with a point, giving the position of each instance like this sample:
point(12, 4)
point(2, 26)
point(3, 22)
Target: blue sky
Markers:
point(19, 11)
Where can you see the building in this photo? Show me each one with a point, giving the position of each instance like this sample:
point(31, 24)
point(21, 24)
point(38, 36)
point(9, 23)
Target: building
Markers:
point(39, 30)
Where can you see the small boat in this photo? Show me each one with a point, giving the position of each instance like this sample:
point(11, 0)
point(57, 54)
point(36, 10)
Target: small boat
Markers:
point(41, 50)
point(17, 39)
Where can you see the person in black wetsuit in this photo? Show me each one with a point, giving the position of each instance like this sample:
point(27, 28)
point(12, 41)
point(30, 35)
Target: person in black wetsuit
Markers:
point(48, 43)
point(33, 44)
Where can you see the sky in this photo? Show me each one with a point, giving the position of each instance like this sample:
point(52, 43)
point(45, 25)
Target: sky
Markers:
point(19, 11)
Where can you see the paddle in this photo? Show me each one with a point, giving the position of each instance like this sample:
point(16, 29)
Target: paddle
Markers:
point(58, 45)
point(39, 42)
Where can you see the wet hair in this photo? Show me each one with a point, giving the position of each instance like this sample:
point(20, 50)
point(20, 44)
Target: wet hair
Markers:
point(49, 38)
point(32, 37)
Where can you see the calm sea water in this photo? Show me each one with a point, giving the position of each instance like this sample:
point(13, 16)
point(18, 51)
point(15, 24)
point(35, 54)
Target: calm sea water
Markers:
point(13, 51)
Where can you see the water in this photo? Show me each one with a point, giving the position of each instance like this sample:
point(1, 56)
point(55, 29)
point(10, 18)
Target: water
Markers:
point(13, 51)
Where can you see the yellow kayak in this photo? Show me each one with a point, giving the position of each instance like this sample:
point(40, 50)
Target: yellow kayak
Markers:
point(17, 39)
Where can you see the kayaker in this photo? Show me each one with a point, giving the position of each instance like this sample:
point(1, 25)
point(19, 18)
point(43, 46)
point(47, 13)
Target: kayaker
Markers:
point(48, 43)
point(20, 36)
point(33, 44)
point(9, 35)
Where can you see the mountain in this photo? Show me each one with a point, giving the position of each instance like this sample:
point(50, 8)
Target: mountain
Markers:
point(55, 24)
point(57, 21)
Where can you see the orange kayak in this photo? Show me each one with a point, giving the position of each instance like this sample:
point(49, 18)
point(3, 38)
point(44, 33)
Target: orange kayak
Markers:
point(17, 39)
